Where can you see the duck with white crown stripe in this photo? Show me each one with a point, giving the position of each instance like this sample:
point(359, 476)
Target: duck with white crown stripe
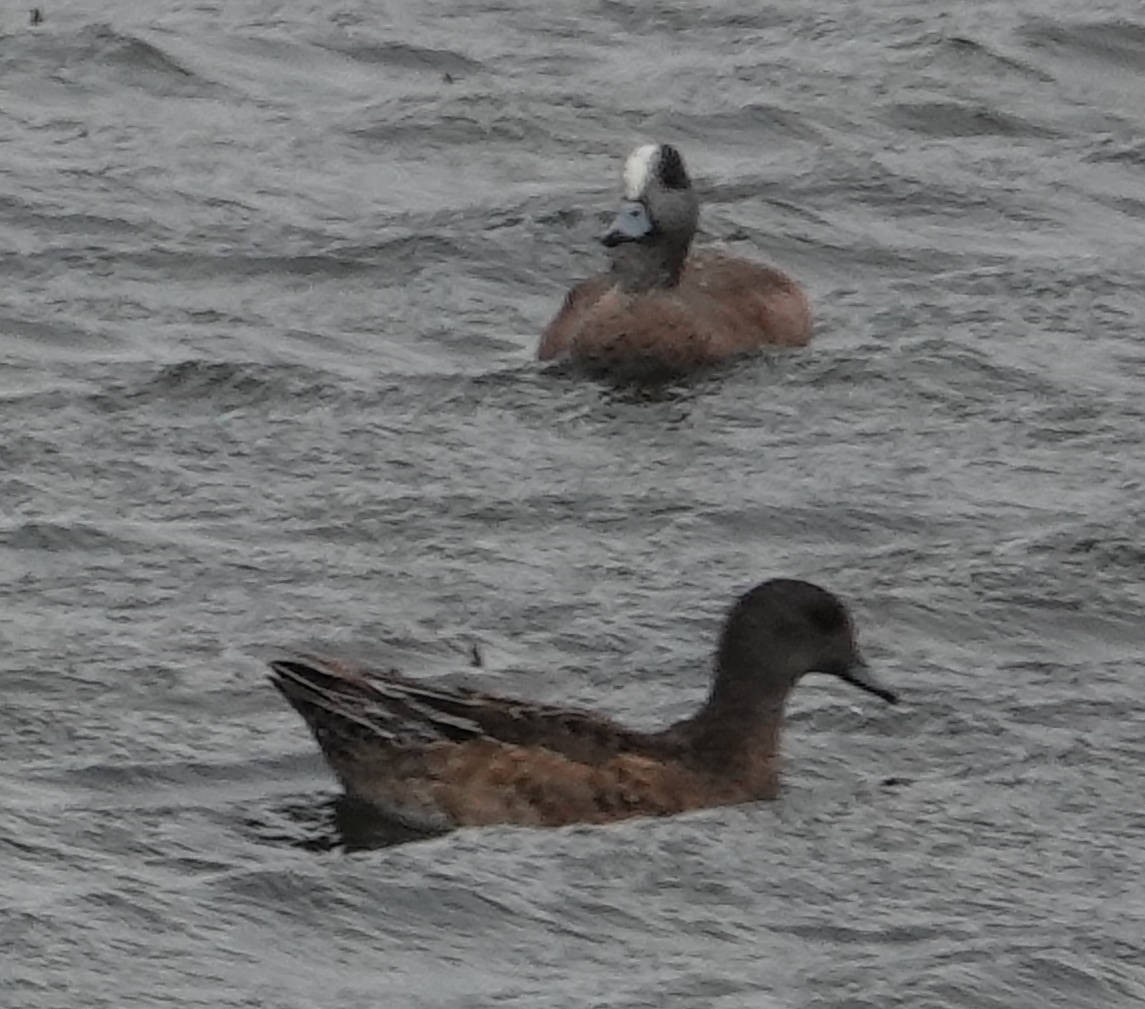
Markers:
point(660, 308)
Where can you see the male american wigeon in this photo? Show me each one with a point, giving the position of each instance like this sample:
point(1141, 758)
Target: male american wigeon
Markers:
point(439, 757)
point(659, 307)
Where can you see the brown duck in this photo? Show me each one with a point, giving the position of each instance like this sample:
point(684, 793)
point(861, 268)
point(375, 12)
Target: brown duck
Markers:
point(659, 308)
point(439, 757)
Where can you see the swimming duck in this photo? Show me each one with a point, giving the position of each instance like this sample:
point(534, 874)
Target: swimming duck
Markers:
point(661, 309)
point(438, 757)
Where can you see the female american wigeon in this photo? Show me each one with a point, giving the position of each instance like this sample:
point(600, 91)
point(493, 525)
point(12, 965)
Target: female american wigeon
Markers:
point(659, 308)
point(439, 757)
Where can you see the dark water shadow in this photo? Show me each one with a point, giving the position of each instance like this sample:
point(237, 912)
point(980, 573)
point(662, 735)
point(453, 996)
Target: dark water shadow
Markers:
point(336, 823)
point(642, 381)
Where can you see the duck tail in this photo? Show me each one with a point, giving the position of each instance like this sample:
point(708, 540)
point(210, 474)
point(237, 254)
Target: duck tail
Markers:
point(336, 706)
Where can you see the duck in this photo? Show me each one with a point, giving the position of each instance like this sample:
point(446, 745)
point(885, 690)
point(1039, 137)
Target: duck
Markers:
point(660, 307)
point(436, 757)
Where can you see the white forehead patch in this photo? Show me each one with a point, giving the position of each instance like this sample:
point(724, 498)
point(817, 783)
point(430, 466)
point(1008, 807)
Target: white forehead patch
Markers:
point(639, 169)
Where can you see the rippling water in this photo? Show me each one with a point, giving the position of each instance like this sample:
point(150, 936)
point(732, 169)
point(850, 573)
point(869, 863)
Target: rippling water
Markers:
point(274, 275)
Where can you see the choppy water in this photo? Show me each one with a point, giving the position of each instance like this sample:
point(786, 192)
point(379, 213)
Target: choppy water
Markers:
point(273, 274)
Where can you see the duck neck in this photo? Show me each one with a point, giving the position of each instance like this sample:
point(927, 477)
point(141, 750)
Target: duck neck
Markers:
point(646, 266)
point(737, 738)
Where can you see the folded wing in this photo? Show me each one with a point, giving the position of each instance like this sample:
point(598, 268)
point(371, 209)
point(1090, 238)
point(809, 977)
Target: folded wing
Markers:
point(350, 707)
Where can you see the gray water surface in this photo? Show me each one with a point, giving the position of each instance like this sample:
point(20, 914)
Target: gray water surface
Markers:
point(273, 276)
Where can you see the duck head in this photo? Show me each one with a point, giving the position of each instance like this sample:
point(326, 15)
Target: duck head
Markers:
point(649, 239)
point(778, 632)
